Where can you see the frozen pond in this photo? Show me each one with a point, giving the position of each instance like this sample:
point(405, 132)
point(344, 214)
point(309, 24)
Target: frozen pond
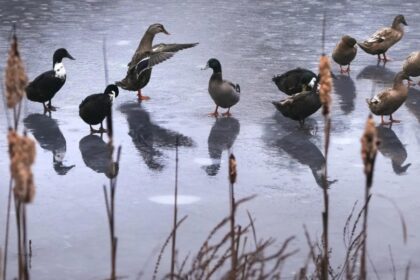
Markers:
point(276, 160)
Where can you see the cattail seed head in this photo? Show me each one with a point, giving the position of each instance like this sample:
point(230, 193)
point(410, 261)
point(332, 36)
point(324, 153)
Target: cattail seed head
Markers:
point(15, 76)
point(22, 156)
point(370, 144)
point(232, 169)
point(325, 84)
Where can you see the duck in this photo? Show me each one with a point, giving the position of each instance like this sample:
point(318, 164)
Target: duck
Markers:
point(384, 38)
point(96, 107)
point(223, 92)
point(44, 87)
point(295, 80)
point(300, 105)
point(411, 65)
point(345, 52)
point(388, 101)
point(145, 57)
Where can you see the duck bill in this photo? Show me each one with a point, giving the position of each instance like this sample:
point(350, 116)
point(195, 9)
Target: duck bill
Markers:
point(70, 57)
point(404, 22)
point(166, 32)
point(205, 67)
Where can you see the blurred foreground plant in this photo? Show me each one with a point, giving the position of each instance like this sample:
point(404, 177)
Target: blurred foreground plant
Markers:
point(22, 156)
point(325, 86)
point(369, 150)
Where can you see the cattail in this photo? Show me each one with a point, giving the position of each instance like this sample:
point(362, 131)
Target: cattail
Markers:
point(325, 84)
point(22, 156)
point(369, 149)
point(15, 76)
point(232, 169)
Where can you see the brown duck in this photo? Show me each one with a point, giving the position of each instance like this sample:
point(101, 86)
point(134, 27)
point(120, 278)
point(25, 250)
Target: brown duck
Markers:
point(345, 52)
point(411, 65)
point(147, 56)
point(384, 38)
point(389, 100)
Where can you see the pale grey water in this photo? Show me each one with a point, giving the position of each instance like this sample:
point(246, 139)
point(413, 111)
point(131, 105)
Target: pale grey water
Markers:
point(253, 40)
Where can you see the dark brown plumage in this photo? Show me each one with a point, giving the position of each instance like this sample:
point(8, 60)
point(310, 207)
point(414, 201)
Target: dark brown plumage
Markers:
point(345, 52)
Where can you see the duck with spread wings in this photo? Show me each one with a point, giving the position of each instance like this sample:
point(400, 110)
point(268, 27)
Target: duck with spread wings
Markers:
point(146, 57)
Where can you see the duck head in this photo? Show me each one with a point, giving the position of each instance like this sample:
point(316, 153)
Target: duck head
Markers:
point(308, 82)
point(213, 64)
point(60, 54)
point(349, 41)
point(112, 91)
point(157, 28)
point(398, 20)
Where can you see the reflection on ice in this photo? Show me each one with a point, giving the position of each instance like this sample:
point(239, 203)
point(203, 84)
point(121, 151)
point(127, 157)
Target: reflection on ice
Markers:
point(222, 136)
point(95, 153)
point(345, 88)
point(391, 147)
point(298, 145)
point(49, 136)
point(378, 74)
point(149, 138)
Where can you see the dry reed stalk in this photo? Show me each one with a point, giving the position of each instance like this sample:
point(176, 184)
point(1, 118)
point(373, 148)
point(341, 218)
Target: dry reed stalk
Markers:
point(232, 179)
point(1, 264)
point(369, 150)
point(175, 218)
point(22, 156)
point(325, 87)
point(162, 250)
point(15, 80)
point(112, 174)
point(21, 152)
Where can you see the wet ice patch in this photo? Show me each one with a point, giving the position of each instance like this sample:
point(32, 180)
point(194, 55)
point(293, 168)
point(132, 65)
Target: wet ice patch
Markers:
point(342, 141)
point(170, 199)
point(123, 43)
point(206, 161)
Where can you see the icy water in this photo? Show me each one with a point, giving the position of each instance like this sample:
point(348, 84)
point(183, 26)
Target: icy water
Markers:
point(276, 160)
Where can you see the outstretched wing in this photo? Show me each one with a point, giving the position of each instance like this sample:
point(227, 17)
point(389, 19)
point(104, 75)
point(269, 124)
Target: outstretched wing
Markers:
point(172, 47)
point(159, 53)
point(150, 61)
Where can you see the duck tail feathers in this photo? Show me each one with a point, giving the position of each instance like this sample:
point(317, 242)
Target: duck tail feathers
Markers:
point(238, 88)
point(121, 83)
point(363, 46)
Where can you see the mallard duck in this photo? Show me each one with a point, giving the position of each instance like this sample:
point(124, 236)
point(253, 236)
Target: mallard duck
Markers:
point(389, 100)
point(384, 38)
point(223, 92)
point(46, 85)
point(345, 52)
point(300, 105)
point(411, 65)
point(96, 107)
point(145, 57)
point(295, 81)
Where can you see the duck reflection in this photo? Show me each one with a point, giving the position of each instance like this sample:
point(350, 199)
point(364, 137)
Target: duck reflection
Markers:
point(345, 88)
point(148, 137)
point(48, 134)
point(378, 74)
point(413, 102)
point(298, 146)
point(391, 147)
point(222, 136)
point(95, 153)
